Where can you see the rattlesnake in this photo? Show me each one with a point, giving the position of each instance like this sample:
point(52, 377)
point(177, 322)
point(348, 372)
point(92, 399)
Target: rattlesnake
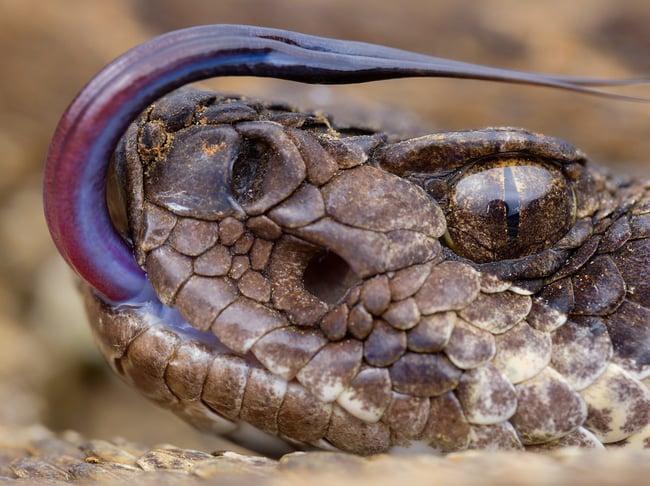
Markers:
point(342, 288)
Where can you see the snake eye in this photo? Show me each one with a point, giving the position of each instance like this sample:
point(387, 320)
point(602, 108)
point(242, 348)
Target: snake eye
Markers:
point(508, 206)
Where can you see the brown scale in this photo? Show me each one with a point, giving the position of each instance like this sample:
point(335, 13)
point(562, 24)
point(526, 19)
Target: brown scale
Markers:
point(476, 289)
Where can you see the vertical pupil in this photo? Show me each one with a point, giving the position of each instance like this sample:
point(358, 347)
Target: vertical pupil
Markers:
point(511, 198)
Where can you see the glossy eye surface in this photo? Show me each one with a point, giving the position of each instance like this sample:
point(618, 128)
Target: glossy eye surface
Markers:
point(508, 207)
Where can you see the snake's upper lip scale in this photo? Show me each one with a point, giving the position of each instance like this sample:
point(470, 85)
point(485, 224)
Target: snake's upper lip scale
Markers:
point(77, 163)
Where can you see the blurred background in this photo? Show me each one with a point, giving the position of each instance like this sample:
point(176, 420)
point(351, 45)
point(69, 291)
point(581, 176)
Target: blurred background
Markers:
point(50, 371)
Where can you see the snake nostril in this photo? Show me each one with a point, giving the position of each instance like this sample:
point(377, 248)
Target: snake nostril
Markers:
point(328, 277)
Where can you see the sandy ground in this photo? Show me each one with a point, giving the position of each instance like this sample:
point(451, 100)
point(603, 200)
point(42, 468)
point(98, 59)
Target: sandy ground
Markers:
point(50, 371)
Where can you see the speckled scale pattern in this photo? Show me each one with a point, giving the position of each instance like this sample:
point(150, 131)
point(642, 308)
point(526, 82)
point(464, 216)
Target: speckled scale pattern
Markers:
point(309, 258)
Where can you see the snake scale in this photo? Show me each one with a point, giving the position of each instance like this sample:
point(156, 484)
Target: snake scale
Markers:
point(281, 279)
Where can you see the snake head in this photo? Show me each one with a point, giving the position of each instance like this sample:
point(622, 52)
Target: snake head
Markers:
point(480, 271)
point(341, 288)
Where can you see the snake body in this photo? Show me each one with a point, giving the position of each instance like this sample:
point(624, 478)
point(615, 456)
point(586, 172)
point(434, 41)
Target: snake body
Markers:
point(342, 288)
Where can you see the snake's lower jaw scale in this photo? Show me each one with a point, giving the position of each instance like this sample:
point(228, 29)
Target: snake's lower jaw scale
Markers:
point(328, 319)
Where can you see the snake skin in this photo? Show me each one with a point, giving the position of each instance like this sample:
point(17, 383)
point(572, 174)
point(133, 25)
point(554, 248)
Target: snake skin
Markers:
point(332, 286)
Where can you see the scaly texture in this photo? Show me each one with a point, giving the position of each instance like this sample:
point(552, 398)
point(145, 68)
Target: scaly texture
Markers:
point(344, 289)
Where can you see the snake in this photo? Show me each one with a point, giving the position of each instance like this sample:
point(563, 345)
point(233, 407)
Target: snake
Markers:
point(272, 276)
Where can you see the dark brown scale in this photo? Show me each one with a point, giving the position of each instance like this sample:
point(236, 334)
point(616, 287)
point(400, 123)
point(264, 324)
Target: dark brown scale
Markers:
point(352, 151)
point(227, 113)
point(501, 436)
point(497, 313)
point(432, 332)
point(240, 265)
point(476, 289)
point(230, 230)
point(450, 285)
point(615, 236)
point(522, 352)
point(403, 314)
point(254, 286)
point(360, 322)
point(372, 387)
point(629, 330)
point(468, 346)
point(450, 434)
point(424, 375)
point(303, 207)
point(201, 300)
point(407, 281)
point(146, 373)
point(332, 369)
point(262, 400)
point(177, 110)
point(581, 350)
point(302, 416)
point(550, 307)
point(156, 227)
point(153, 140)
point(190, 182)
point(547, 399)
point(591, 298)
point(224, 387)
point(640, 226)
point(486, 395)
point(407, 416)
point(321, 166)
point(375, 295)
point(631, 263)
point(351, 434)
point(260, 253)
point(243, 245)
point(287, 350)
point(215, 262)
point(192, 237)
point(334, 324)
point(169, 270)
point(189, 362)
point(242, 323)
point(384, 345)
point(265, 228)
